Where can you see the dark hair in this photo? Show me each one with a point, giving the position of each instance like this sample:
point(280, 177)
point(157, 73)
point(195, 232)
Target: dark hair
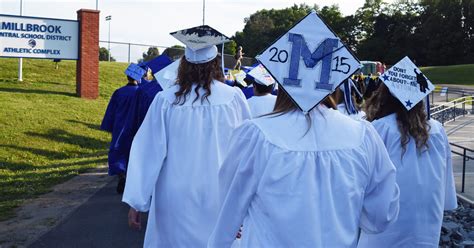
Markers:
point(199, 74)
point(130, 79)
point(285, 104)
point(262, 89)
point(413, 123)
point(372, 86)
point(338, 96)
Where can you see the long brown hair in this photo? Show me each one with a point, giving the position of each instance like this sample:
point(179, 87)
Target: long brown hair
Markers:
point(285, 104)
point(199, 74)
point(411, 124)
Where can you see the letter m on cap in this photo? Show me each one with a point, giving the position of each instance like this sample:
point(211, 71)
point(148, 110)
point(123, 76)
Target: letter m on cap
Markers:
point(322, 53)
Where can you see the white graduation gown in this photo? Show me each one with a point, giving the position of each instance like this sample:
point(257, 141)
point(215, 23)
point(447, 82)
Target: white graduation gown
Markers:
point(359, 116)
point(289, 189)
point(174, 164)
point(260, 105)
point(426, 188)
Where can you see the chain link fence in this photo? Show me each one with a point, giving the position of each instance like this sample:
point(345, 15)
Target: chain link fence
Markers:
point(133, 52)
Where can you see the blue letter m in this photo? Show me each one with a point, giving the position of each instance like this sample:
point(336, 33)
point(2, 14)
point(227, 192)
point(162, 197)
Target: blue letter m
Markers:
point(300, 49)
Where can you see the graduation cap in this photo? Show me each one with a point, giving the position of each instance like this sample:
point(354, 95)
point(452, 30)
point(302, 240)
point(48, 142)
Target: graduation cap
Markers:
point(407, 83)
point(157, 63)
point(239, 77)
point(261, 76)
point(309, 62)
point(200, 43)
point(134, 71)
point(168, 75)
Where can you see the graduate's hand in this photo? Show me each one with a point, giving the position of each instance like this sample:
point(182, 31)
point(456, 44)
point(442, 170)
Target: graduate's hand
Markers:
point(134, 219)
point(239, 233)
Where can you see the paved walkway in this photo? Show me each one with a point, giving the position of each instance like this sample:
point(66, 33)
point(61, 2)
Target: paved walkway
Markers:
point(100, 222)
point(461, 132)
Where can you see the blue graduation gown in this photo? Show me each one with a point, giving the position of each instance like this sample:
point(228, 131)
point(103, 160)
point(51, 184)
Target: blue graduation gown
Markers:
point(141, 102)
point(248, 92)
point(113, 122)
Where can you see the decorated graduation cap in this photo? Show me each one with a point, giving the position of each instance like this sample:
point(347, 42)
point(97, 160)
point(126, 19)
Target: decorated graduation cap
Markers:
point(309, 62)
point(239, 77)
point(261, 75)
point(407, 83)
point(134, 71)
point(168, 75)
point(200, 43)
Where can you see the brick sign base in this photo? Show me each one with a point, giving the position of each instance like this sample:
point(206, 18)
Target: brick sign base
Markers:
point(87, 67)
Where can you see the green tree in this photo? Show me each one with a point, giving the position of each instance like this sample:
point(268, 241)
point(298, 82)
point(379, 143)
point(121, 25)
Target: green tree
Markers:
point(265, 26)
point(431, 32)
point(229, 47)
point(152, 53)
point(468, 28)
point(366, 16)
point(344, 27)
point(104, 55)
point(393, 34)
point(174, 52)
point(443, 33)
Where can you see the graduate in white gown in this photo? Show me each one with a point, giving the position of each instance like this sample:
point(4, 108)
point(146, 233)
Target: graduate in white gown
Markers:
point(305, 175)
point(262, 102)
point(176, 153)
point(298, 183)
point(420, 151)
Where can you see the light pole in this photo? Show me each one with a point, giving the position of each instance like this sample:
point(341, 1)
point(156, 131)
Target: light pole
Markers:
point(20, 60)
point(203, 11)
point(96, 4)
point(109, 19)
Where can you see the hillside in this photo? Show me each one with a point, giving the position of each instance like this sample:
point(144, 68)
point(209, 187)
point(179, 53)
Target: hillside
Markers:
point(453, 74)
point(48, 134)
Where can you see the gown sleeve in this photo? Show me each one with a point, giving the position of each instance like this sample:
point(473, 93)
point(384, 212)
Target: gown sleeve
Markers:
point(381, 199)
point(450, 199)
point(238, 180)
point(148, 152)
point(109, 116)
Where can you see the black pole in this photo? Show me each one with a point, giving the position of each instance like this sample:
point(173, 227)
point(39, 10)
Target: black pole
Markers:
point(463, 169)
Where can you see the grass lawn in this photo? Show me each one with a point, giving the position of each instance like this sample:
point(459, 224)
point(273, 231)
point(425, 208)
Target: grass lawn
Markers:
point(453, 74)
point(47, 134)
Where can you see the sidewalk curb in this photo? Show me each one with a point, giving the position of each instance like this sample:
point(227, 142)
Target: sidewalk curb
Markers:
point(40, 215)
point(465, 199)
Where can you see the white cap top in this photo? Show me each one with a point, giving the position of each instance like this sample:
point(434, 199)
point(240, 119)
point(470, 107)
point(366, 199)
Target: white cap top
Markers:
point(261, 75)
point(200, 43)
point(309, 62)
point(407, 83)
